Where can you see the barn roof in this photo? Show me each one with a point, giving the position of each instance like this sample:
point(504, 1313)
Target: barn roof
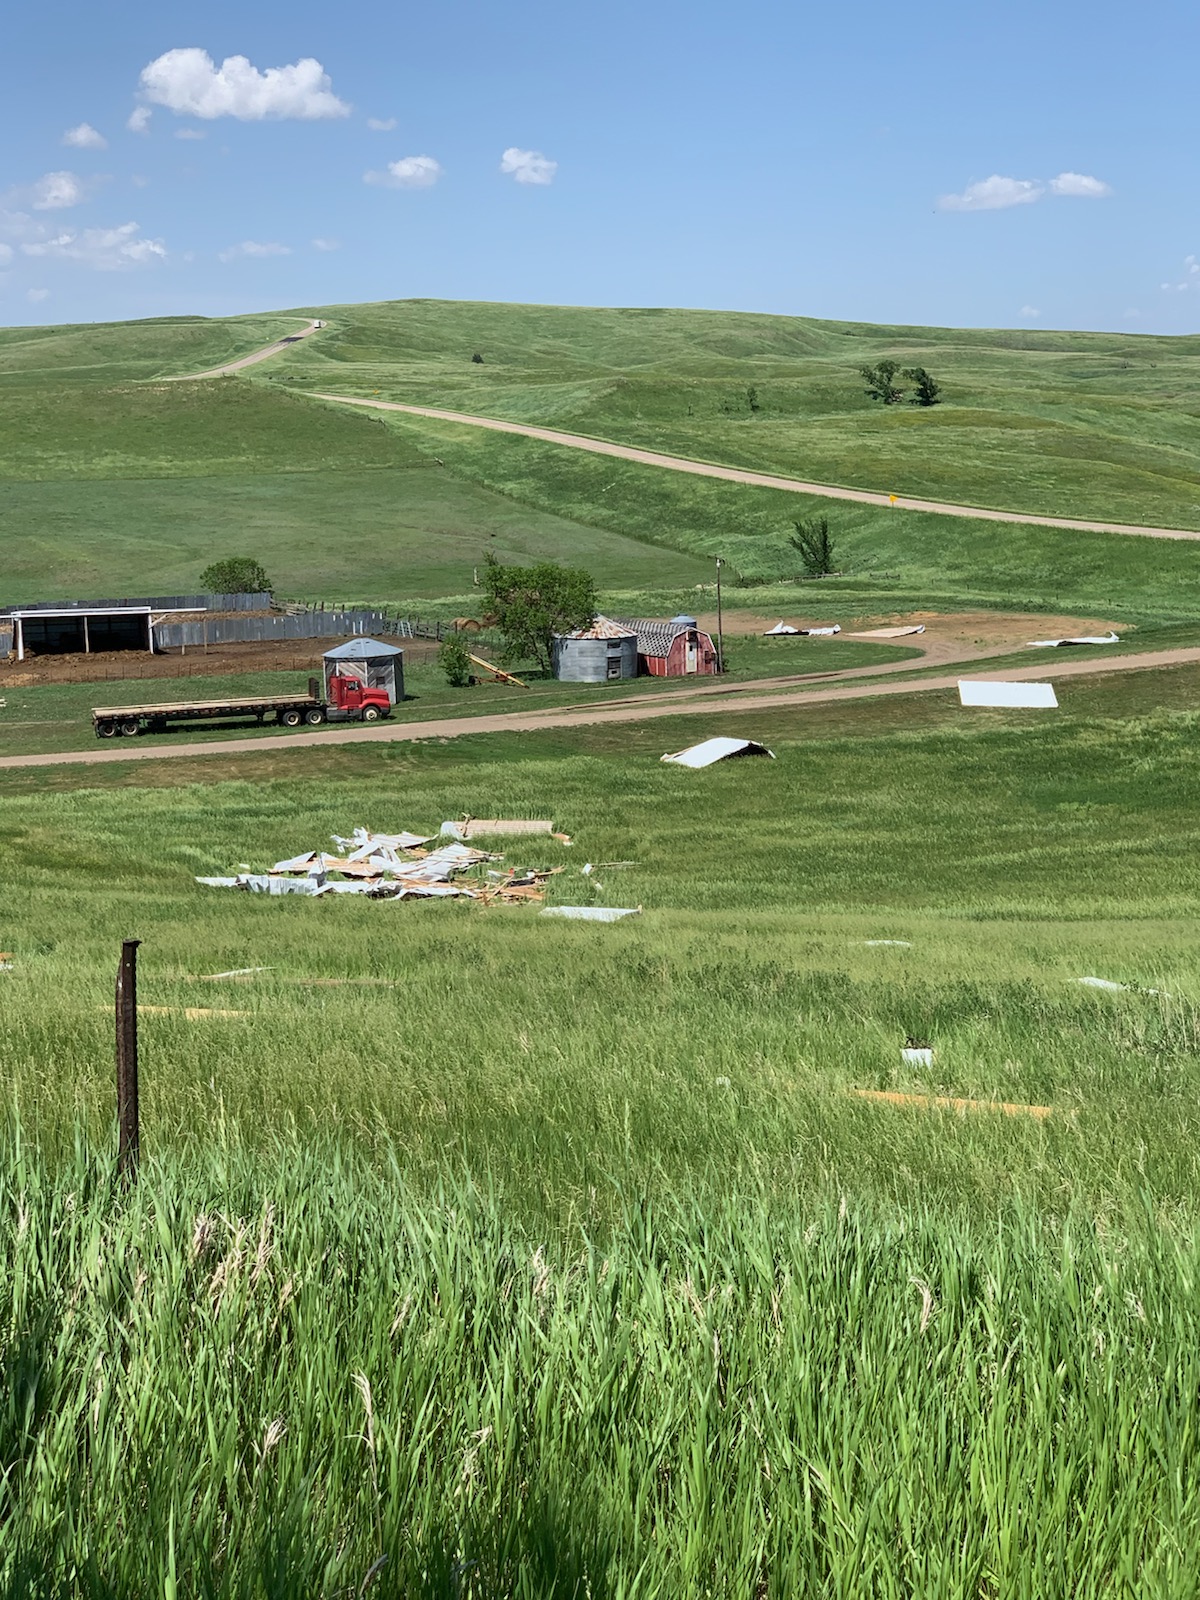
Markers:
point(600, 628)
point(656, 638)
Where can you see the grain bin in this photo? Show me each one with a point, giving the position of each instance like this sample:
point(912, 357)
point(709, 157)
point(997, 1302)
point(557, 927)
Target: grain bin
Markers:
point(597, 654)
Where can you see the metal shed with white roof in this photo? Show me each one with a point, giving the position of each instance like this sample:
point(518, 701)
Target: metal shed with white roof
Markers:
point(375, 664)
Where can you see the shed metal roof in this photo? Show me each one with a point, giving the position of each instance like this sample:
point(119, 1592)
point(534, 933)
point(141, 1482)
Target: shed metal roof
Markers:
point(656, 638)
point(719, 749)
point(362, 650)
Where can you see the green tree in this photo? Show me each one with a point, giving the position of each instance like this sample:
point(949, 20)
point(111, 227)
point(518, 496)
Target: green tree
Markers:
point(455, 660)
point(752, 399)
point(532, 604)
point(881, 381)
point(927, 391)
point(235, 575)
point(815, 544)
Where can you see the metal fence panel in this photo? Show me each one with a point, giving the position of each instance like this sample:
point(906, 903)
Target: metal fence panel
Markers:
point(304, 625)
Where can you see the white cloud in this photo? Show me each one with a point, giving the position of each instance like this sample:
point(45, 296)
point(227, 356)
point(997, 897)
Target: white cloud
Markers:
point(190, 83)
point(381, 124)
point(190, 133)
point(528, 166)
point(139, 119)
point(104, 249)
point(1190, 279)
point(55, 192)
point(998, 194)
point(327, 244)
point(85, 137)
point(1077, 186)
point(253, 249)
point(6, 255)
point(36, 296)
point(410, 172)
point(1030, 311)
point(992, 194)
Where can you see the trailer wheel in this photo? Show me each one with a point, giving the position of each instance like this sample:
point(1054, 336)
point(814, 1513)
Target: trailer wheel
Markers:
point(292, 717)
point(106, 730)
point(371, 713)
point(315, 717)
point(131, 727)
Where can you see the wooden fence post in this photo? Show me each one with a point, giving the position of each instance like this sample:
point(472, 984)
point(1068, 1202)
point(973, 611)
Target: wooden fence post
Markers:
point(127, 1063)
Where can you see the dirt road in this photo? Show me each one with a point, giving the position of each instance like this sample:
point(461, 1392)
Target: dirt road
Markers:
point(665, 705)
point(251, 360)
point(762, 480)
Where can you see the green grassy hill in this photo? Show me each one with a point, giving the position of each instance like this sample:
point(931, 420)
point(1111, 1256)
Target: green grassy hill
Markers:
point(1092, 425)
point(110, 474)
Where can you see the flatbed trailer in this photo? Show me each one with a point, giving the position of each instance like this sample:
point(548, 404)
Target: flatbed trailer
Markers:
point(350, 701)
point(290, 710)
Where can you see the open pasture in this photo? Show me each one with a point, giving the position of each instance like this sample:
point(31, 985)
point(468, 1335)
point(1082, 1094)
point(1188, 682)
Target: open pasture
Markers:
point(558, 1259)
point(1078, 424)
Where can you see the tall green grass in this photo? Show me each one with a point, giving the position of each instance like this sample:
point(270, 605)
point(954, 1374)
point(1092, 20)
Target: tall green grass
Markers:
point(293, 1375)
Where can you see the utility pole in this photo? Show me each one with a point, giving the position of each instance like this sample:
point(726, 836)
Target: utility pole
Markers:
point(720, 626)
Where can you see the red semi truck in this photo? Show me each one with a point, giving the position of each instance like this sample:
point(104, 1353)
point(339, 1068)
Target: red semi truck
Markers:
point(350, 702)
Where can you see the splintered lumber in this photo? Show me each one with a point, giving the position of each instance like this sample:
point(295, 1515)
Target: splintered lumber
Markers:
point(498, 673)
point(939, 1102)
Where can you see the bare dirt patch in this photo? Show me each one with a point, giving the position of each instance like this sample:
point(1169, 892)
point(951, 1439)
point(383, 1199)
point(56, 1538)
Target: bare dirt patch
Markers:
point(945, 631)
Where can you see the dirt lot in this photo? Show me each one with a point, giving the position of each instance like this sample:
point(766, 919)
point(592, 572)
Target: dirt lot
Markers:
point(283, 655)
point(991, 630)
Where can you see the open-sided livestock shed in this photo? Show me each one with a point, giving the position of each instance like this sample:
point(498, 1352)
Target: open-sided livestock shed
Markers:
point(71, 630)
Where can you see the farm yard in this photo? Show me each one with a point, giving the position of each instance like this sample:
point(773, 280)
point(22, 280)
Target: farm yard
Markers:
point(476, 1252)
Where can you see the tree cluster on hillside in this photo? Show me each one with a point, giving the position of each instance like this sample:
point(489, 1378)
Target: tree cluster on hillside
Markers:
point(532, 604)
point(235, 575)
point(881, 383)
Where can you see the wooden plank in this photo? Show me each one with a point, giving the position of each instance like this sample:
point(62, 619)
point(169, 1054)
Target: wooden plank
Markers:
point(940, 1102)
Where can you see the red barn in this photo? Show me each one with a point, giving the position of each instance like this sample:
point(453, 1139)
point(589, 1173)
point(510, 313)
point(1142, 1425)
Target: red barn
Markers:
point(675, 649)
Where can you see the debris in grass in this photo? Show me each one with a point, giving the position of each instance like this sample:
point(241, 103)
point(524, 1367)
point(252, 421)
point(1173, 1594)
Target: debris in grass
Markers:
point(6, 961)
point(1126, 988)
point(942, 1102)
point(822, 633)
point(1085, 638)
point(188, 1013)
point(780, 628)
point(477, 828)
point(905, 944)
point(593, 913)
point(719, 749)
point(390, 866)
point(1027, 696)
point(890, 633)
point(918, 1052)
point(234, 972)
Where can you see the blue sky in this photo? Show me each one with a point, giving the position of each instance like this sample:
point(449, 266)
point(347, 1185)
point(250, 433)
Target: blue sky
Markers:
point(985, 165)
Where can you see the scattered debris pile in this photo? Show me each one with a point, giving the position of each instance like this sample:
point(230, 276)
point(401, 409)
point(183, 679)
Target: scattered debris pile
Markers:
point(394, 866)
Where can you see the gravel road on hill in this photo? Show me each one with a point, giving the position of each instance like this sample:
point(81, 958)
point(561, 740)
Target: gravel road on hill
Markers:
point(687, 703)
point(762, 480)
point(251, 360)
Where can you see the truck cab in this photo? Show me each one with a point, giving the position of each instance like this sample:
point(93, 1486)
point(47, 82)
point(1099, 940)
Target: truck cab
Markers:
point(352, 701)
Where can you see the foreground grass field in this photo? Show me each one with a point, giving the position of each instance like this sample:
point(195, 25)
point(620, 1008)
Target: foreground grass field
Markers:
point(552, 1259)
